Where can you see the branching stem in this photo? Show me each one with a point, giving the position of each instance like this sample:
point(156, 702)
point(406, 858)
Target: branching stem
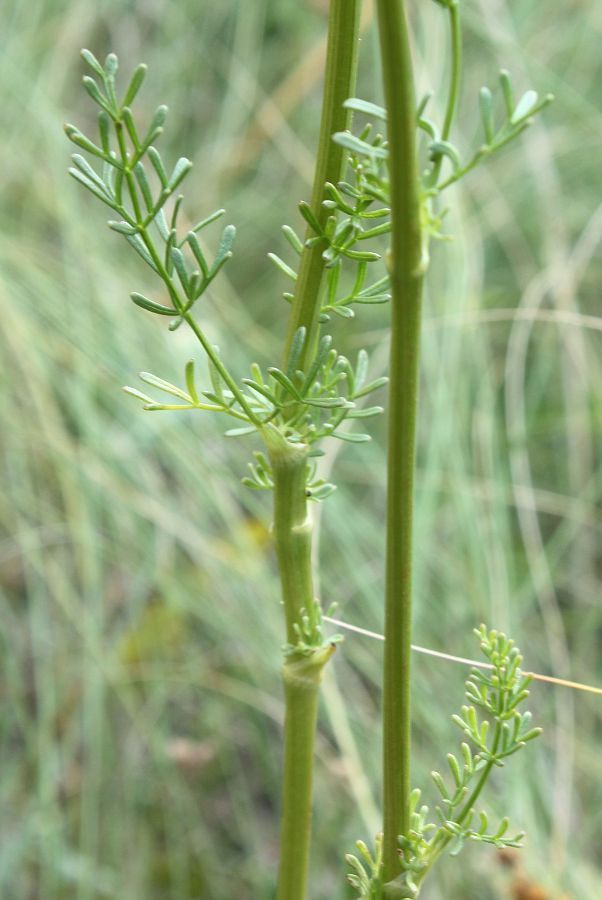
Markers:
point(223, 371)
point(476, 793)
point(442, 840)
point(292, 526)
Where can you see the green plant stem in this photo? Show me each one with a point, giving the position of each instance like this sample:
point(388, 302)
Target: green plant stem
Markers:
point(454, 85)
point(292, 524)
point(439, 845)
point(476, 793)
point(223, 371)
point(339, 83)
point(292, 530)
point(179, 305)
point(302, 679)
point(456, 67)
point(302, 674)
point(406, 270)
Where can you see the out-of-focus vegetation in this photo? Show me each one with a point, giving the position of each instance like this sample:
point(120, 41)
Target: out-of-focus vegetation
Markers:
point(141, 710)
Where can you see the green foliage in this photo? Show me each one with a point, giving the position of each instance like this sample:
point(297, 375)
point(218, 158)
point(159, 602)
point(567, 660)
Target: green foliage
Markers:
point(515, 119)
point(369, 154)
point(315, 394)
point(309, 636)
point(496, 728)
point(125, 186)
point(70, 437)
point(365, 877)
point(301, 403)
point(308, 406)
point(351, 222)
point(304, 405)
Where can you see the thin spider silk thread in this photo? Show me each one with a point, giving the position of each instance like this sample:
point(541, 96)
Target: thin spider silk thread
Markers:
point(549, 679)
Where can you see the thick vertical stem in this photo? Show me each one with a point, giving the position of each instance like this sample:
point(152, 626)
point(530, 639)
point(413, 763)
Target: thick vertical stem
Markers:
point(406, 269)
point(302, 679)
point(339, 82)
point(292, 523)
point(302, 673)
point(292, 530)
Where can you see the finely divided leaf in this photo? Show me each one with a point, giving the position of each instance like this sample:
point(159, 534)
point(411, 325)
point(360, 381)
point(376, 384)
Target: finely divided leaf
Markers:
point(224, 251)
point(364, 106)
point(151, 306)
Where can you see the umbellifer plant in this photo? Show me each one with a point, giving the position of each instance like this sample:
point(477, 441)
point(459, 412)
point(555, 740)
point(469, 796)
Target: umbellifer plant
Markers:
point(377, 183)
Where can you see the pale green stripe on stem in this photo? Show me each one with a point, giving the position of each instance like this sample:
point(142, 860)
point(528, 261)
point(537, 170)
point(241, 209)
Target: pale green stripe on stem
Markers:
point(292, 525)
point(406, 269)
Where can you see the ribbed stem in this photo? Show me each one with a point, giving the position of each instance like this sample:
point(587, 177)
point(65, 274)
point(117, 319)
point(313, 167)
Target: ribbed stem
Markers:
point(339, 83)
point(302, 674)
point(292, 531)
point(302, 679)
point(406, 269)
point(292, 524)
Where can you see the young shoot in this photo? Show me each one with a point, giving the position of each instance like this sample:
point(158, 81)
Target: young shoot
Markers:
point(494, 727)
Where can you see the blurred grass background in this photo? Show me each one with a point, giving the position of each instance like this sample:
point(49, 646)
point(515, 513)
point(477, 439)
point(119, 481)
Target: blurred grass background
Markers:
point(141, 710)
